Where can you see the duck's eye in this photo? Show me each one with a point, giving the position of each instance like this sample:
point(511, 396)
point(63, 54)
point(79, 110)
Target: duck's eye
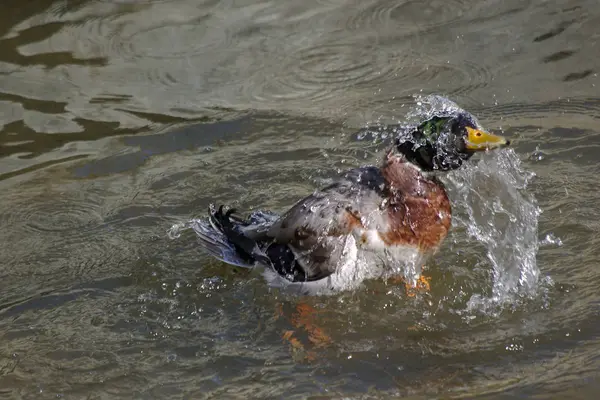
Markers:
point(478, 134)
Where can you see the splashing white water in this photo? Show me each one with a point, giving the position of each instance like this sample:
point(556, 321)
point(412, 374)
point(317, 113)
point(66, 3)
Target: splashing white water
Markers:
point(434, 105)
point(491, 202)
point(175, 230)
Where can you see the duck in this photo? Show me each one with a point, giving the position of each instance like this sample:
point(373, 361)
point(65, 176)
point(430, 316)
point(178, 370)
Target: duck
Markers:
point(370, 222)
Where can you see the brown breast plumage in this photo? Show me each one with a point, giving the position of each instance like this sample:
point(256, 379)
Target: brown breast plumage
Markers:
point(418, 208)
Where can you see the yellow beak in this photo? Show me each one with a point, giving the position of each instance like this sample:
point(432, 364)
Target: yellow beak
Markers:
point(479, 140)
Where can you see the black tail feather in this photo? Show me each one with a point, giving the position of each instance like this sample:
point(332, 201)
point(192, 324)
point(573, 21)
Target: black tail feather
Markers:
point(247, 248)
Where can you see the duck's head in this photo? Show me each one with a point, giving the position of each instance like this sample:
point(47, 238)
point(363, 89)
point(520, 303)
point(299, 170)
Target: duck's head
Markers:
point(445, 142)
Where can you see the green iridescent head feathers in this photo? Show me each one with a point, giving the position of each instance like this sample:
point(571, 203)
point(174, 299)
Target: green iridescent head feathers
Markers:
point(445, 142)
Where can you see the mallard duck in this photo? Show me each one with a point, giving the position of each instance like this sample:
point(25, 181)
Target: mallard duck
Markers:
point(371, 222)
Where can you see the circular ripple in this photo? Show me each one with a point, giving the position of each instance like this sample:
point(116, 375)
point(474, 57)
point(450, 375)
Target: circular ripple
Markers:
point(50, 212)
point(171, 41)
point(337, 63)
point(460, 79)
point(132, 36)
point(323, 71)
point(328, 70)
point(60, 217)
point(144, 56)
point(406, 16)
point(435, 14)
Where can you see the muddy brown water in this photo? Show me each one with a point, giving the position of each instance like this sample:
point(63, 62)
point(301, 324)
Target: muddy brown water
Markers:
point(122, 118)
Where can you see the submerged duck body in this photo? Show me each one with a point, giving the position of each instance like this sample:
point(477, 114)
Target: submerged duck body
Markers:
point(371, 222)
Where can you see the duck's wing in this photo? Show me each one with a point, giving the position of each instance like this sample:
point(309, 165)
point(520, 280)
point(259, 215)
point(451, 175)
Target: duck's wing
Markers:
point(232, 239)
point(308, 242)
point(317, 227)
point(334, 210)
point(214, 242)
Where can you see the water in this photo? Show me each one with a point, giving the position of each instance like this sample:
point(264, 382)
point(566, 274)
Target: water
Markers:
point(121, 119)
point(507, 223)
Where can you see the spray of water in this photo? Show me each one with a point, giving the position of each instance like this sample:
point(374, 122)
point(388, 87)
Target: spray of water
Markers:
point(174, 232)
point(491, 203)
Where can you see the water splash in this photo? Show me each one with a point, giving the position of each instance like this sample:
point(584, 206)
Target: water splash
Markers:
point(491, 203)
point(427, 107)
point(551, 240)
point(434, 106)
point(175, 230)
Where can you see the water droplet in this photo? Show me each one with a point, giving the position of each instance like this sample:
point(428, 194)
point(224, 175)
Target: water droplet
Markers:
point(550, 240)
point(514, 347)
point(175, 231)
point(537, 154)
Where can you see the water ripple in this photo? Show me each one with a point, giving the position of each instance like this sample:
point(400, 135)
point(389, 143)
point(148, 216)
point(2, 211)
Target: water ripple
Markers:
point(51, 212)
point(94, 288)
point(433, 14)
point(320, 70)
point(406, 16)
point(587, 107)
point(323, 71)
point(465, 77)
point(171, 41)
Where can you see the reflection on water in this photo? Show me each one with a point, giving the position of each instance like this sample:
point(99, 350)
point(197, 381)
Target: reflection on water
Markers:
point(122, 118)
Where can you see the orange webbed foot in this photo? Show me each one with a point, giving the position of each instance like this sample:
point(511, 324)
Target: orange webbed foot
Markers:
point(302, 319)
point(422, 284)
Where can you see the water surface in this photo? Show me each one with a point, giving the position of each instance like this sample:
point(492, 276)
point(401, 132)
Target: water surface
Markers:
point(122, 118)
